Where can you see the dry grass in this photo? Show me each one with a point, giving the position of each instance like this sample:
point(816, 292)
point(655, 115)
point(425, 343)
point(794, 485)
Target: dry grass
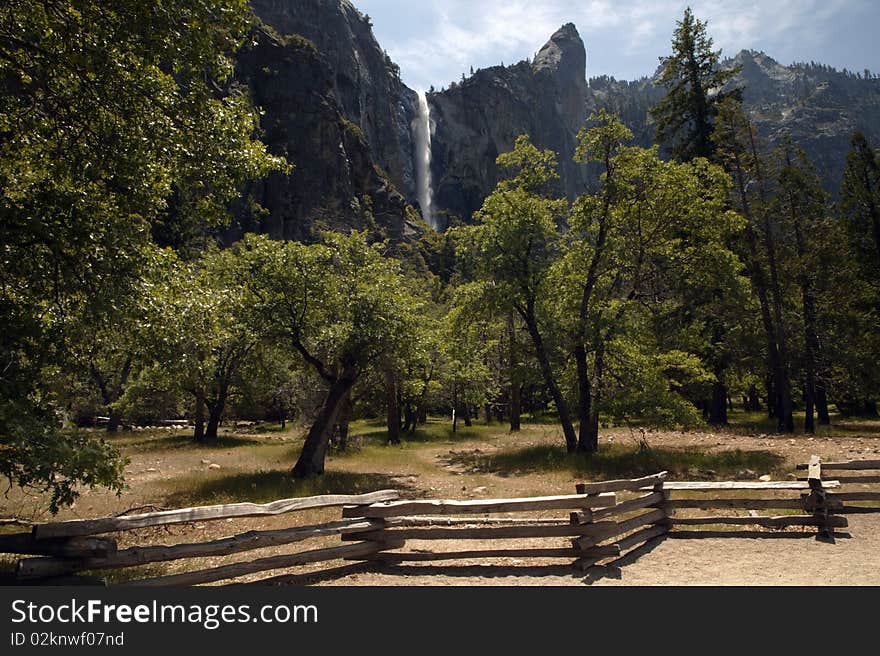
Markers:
point(168, 470)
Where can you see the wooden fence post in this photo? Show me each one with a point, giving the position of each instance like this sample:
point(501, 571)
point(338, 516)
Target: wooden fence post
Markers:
point(817, 499)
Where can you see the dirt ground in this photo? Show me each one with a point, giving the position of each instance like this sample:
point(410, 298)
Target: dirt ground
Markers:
point(167, 471)
point(852, 558)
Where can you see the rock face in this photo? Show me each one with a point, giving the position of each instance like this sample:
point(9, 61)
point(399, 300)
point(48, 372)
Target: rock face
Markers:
point(819, 106)
point(335, 106)
point(365, 82)
point(336, 182)
point(481, 117)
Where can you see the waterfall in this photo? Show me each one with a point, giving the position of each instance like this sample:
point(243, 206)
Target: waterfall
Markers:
point(422, 133)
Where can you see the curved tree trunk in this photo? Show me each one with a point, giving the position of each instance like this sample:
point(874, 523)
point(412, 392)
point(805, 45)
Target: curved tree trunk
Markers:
point(311, 459)
point(571, 441)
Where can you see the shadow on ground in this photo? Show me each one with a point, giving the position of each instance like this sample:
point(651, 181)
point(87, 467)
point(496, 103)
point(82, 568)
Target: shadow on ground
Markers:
point(179, 442)
point(264, 486)
point(618, 461)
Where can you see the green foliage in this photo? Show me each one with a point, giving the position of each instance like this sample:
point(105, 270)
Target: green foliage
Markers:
point(517, 236)
point(341, 303)
point(106, 115)
point(695, 87)
point(650, 242)
point(860, 203)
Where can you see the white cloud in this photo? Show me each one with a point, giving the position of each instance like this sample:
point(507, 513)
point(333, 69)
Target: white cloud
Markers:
point(621, 35)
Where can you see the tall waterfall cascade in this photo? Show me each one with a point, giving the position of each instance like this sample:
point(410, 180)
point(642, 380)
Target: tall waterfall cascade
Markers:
point(422, 128)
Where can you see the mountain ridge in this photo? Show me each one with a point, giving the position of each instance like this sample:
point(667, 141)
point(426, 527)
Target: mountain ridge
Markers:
point(364, 137)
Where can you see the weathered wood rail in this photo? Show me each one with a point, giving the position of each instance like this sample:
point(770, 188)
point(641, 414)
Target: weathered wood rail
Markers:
point(605, 519)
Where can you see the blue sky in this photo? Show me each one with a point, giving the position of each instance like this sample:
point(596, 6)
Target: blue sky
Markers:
point(435, 41)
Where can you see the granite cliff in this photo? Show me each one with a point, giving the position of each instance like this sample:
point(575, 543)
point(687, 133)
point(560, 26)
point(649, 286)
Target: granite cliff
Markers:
point(335, 105)
point(481, 117)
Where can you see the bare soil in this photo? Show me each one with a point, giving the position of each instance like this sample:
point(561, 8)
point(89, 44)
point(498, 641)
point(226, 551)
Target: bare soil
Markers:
point(167, 471)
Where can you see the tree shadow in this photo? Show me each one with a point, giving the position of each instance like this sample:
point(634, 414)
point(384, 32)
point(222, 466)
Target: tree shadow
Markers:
point(473, 571)
point(620, 461)
point(264, 486)
point(184, 441)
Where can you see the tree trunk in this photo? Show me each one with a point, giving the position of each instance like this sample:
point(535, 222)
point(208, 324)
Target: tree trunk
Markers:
point(467, 415)
point(392, 416)
point(571, 441)
point(783, 382)
point(311, 459)
point(779, 397)
point(199, 416)
point(215, 414)
point(585, 400)
point(718, 405)
point(753, 403)
point(593, 432)
point(515, 406)
point(811, 344)
point(114, 421)
point(515, 401)
point(410, 413)
point(454, 405)
point(343, 420)
point(115, 415)
point(110, 395)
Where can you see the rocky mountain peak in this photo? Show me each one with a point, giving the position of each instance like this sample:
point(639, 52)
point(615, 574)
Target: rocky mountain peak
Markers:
point(564, 55)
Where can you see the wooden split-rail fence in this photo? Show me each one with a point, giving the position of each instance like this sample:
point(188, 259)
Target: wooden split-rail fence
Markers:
point(604, 520)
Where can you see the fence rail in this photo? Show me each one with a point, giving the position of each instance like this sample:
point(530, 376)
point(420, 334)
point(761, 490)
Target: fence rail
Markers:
point(606, 520)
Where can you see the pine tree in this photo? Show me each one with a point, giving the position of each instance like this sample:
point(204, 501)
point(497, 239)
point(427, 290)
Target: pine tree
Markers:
point(695, 88)
point(860, 195)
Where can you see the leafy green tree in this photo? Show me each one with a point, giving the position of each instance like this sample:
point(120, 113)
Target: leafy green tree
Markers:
point(269, 384)
point(651, 238)
point(105, 113)
point(341, 305)
point(470, 336)
point(695, 87)
point(860, 201)
point(200, 323)
point(512, 249)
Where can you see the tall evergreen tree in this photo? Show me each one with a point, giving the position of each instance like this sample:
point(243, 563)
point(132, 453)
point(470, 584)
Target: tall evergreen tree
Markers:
point(695, 88)
point(860, 196)
point(800, 207)
point(741, 153)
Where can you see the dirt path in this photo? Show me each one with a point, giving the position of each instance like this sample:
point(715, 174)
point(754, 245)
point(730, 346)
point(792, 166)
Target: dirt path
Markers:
point(852, 559)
